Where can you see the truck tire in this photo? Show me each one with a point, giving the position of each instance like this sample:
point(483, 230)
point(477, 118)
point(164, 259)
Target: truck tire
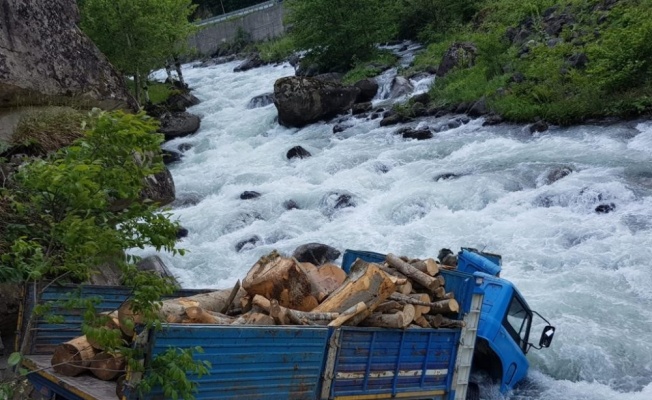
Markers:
point(473, 391)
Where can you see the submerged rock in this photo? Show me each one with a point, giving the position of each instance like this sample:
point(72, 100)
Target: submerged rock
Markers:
point(249, 194)
point(261, 100)
point(418, 134)
point(253, 61)
point(297, 152)
point(605, 208)
point(170, 156)
point(401, 86)
point(557, 174)
point(249, 243)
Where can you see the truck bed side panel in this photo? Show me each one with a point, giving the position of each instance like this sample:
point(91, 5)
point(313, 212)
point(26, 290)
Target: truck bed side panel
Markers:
point(43, 336)
point(413, 362)
point(253, 362)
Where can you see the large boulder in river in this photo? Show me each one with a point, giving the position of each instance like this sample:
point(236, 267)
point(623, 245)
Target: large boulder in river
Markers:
point(368, 89)
point(159, 188)
point(301, 101)
point(45, 59)
point(401, 86)
point(316, 253)
point(174, 125)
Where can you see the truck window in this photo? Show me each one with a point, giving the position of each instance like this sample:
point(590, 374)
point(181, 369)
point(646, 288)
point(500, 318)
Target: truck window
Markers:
point(517, 322)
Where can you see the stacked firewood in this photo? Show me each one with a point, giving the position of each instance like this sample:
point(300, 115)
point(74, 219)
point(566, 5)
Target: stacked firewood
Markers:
point(399, 293)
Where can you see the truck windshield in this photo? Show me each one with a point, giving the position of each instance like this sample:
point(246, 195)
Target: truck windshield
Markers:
point(518, 321)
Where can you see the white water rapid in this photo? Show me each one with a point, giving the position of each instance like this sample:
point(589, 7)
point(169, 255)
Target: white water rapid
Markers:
point(589, 273)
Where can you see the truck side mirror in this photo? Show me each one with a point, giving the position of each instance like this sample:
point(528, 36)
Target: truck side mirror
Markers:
point(546, 336)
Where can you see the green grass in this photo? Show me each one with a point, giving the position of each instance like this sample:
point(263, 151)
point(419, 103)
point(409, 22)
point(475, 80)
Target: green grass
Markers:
point(371, 68)
point(47, 129)
point(158, 91)
point(277, 50)
point(617, 80)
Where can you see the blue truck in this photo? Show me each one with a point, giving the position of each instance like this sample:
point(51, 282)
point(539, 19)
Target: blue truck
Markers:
point(293, 362)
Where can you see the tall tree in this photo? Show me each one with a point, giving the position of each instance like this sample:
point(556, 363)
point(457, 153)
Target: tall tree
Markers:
point(337, 33)
point(138, 36)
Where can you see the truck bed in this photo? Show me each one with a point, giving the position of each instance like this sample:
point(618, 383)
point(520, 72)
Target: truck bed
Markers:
point(277, 362)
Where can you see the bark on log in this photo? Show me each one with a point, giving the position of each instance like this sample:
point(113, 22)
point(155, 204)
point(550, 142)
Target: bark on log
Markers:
point(174, 310)
point(355, 311)
point(439, 321)
point(388, 307)
point(412, 273)
point(71, 358)
point(444, 306)
point(231, 298)
point(399, 320)
point(254, 318)
point(422, 322)
point(286, 315)
point(197, 315)
point(107, 366)
point(366, 283)
point(436, 307)
point(283, 279)
point(439, 293)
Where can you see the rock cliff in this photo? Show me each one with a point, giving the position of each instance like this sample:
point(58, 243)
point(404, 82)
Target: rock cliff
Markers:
point(46, 59)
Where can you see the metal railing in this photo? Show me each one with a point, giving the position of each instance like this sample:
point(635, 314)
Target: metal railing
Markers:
point(238, 13)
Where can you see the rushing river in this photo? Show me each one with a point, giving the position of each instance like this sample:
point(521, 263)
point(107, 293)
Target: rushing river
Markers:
point(590, 273)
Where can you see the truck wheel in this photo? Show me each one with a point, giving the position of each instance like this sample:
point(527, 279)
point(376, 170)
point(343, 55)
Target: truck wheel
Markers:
point(473, 391)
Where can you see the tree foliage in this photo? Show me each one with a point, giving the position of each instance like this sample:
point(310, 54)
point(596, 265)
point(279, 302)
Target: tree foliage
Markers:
point(64, 217)
point(338, 33)
point(67, 214)
point(138, 36)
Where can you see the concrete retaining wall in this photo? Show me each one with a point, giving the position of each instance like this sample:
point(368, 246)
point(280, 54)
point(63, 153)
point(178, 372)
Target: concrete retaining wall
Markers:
point(261, 25)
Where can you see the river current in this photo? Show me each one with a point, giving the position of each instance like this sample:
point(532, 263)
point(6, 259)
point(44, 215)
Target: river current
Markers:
point(490, 188)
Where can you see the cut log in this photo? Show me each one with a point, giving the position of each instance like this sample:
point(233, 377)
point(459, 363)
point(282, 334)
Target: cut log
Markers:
point(400, 319)
point(446, 306)
point(197, 315)
point(389, 307)
point(72, 357)
point(325, 279)
point(283, 279)
point(254, 318)
point(421, 309)
point(174, 310)
point(439, 293)
point(436, 307)
point(107, 366)
point(429, 266)
point(355, 311)
point(405, 288)
point(285, 315)
point(366, 283)
point(439, 321)
point(412, 273)
point(422, 322)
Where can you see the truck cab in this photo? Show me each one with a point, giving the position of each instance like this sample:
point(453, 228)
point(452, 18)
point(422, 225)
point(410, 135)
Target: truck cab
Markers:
point(505, 322)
